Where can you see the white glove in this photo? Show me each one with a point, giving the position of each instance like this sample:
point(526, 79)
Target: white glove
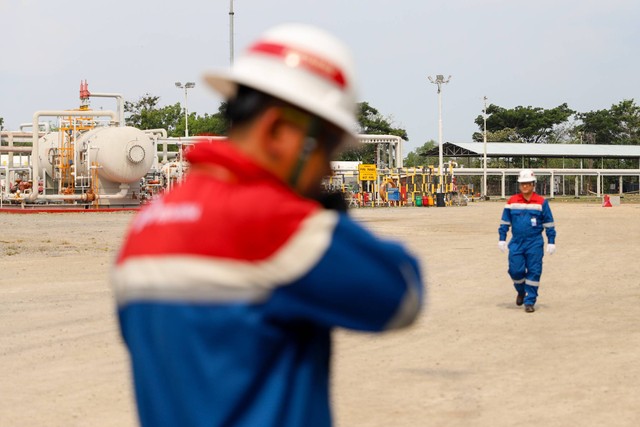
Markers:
point(551, 249)
point(502, 245)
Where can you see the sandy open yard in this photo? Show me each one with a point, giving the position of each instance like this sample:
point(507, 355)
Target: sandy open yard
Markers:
point(473, 358)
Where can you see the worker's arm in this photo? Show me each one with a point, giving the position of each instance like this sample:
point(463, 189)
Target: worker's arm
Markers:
point(359, 282)
point(505, 223)
point(548, 223)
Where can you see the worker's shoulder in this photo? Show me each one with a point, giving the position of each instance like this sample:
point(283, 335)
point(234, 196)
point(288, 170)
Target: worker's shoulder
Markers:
point(515, 199)
point(518, 199)
point(537, 199)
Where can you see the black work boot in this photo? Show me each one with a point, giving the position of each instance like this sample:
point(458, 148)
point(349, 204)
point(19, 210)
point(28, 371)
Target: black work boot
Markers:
point(529, 308)
point(520, 299)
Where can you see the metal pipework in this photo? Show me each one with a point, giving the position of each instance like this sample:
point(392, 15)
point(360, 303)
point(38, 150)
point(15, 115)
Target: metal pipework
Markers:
point(15, 149)
point(35, 162)
point(45, 125)
point(119, 102)
point(124, 189)
point(162, 134)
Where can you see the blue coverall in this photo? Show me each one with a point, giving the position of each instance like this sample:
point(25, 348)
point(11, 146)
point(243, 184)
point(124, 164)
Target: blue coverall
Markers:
point(527, 219)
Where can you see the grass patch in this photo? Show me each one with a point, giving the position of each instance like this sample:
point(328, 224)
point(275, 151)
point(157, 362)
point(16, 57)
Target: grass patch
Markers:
point(12, 250)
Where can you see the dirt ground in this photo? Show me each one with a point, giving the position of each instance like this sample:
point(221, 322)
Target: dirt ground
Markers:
point(472, 359)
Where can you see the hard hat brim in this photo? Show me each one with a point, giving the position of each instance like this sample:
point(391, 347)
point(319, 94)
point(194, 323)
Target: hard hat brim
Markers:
point(226, 84)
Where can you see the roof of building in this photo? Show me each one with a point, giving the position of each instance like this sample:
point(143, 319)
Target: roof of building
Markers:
point(510, 149)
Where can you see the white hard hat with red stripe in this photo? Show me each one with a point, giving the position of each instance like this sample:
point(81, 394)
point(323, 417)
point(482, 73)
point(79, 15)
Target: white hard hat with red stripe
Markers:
point(299, 64)
point(526, 175)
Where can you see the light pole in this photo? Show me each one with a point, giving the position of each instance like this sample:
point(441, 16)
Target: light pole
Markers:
point(484, 138)
point(439, 80)
point(231, 13)
point(186, 86)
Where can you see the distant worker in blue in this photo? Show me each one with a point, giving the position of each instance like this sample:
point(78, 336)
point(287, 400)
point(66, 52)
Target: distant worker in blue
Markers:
point(528, 214)
point(229, 286)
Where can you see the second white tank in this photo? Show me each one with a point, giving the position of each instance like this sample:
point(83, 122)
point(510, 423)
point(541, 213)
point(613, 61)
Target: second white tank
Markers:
point(123, 154)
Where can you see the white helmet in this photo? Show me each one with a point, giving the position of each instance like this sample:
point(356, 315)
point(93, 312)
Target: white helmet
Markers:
point(526, 175)
point(299, 64)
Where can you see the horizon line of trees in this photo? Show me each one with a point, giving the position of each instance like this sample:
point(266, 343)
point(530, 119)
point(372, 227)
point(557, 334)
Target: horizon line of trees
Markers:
point(618, 125)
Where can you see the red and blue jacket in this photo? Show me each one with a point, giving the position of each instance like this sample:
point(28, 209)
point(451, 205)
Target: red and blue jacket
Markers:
point(527, 219)
point(228, 288)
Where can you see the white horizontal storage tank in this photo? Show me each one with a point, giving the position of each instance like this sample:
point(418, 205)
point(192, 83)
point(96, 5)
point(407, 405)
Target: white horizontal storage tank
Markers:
point(47, 147)
point(123, 154)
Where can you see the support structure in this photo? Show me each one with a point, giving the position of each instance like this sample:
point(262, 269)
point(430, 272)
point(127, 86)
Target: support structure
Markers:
point(389, 149)
point(599, 174)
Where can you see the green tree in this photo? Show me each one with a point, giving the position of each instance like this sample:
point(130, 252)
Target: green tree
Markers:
point(145, 114)
point(523, 124)
point(419, 157)
point(1, 123)
point(500, 135)
point(618, 125)
point(209, 124)
point(371, 122)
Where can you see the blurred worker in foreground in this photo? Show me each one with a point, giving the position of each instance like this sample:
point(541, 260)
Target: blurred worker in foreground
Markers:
point(528, 214)
point(228, 287)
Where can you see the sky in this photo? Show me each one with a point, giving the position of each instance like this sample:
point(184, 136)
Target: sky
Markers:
point(532, 53)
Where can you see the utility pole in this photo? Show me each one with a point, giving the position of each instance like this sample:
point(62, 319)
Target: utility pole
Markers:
point(439, 81)
point(484, 138)
point(231, 32)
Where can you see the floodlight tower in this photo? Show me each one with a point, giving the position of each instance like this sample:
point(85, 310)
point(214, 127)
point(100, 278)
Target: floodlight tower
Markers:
point(439, 81)
point(186, 86)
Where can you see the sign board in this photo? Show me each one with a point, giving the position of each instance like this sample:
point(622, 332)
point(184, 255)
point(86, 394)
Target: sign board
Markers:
point(367, 172)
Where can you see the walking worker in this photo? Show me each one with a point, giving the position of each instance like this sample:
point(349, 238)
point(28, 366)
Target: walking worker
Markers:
point(228, 287)
point(527, 213)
